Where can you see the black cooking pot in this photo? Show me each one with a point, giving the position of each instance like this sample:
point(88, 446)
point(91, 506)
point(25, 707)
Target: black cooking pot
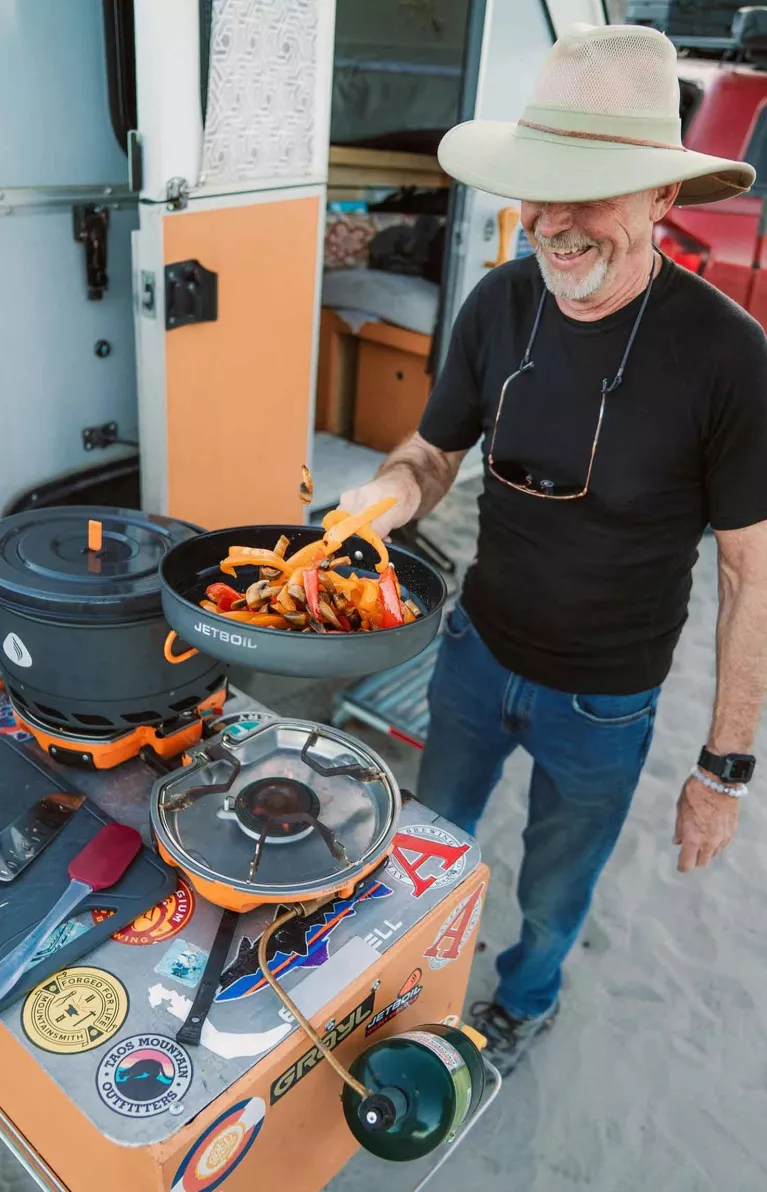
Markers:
point(193, 565)
point(82, 630)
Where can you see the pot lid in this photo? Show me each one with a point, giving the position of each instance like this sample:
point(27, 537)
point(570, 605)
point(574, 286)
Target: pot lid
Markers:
point(46, 566)
point(286, 810)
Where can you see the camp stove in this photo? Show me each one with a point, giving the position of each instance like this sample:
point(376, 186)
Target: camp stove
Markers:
point(287, 811)
point(103, 749)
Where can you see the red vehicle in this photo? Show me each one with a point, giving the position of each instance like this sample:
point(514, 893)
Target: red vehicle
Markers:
point(724, 112)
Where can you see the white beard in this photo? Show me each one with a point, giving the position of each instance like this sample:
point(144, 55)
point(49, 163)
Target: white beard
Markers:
point(561, 285)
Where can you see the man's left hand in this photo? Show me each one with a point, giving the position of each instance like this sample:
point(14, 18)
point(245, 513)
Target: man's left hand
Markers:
point(705, 824)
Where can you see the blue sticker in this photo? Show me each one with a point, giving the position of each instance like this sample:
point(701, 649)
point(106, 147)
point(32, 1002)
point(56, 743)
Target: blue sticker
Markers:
point(183, 962)
point(302, 943)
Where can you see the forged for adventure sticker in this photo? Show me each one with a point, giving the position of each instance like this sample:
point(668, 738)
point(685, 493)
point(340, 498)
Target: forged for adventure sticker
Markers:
point(309, 1060)
point(407, 996)
point(76, 1010)
point(425, 856)
point(143, 1075)
point(456, 930)
point(221, 1148)
point(160, 923)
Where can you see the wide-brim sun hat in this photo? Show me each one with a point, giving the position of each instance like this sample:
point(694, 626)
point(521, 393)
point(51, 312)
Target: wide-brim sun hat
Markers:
point(603, 121)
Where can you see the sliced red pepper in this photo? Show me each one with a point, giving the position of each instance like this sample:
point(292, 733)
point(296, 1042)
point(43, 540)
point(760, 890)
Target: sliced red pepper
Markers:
point(389, 599)
point(344, 622)
point(223, 596)
point(312, 589)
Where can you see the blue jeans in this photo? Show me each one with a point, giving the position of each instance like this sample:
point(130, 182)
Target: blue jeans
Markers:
point(588, 753)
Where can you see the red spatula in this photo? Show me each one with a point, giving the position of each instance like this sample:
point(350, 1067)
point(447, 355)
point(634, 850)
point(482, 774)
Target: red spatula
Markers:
point(98, 866)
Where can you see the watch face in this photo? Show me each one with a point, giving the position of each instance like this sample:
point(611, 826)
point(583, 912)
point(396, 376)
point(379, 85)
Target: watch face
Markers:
point(738, 768)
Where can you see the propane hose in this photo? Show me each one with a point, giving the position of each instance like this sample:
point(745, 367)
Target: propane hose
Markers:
point(290, 1005)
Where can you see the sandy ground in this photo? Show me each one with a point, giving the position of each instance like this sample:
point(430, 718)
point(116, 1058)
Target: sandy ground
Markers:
point(655, 1076)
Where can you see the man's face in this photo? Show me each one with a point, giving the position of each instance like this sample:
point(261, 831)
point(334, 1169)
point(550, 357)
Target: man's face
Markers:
point(584, 249)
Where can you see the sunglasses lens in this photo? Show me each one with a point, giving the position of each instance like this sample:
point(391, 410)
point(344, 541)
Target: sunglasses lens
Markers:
point(517, 474)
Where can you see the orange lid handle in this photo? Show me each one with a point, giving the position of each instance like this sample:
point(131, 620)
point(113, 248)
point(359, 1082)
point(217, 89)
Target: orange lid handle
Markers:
point(95, 535)
point(174, 659)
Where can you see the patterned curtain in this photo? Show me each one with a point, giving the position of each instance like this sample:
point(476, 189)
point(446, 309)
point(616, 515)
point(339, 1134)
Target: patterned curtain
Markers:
point(261, 91)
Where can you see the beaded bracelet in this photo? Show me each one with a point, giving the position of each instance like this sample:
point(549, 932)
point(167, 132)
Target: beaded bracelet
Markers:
point(738, 791)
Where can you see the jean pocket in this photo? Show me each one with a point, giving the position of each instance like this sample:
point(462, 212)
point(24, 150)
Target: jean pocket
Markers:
point(616, 710)
point(457, 623)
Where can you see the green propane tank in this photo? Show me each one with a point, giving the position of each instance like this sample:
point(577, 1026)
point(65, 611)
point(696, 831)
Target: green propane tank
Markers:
point(424, 1085)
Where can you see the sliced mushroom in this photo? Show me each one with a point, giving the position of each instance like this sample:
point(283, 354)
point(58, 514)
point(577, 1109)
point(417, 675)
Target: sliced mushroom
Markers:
point(297, 620)
point(328, 614)
point(306, 488)
point(260, 593)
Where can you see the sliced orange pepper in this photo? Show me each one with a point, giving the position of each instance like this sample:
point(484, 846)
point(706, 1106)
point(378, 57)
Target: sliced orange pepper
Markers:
point(307, 556)
point(333, 518)
point(251, 556)
point(269, 621)
point(338, 533)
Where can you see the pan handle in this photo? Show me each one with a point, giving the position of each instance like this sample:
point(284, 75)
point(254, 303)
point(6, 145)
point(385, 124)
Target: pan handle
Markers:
point(174, 659)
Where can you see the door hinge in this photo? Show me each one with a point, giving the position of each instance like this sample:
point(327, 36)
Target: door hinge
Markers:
point(177, 194)
point(191, 294)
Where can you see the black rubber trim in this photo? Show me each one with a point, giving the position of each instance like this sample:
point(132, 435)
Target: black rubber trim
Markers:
point(120, 46)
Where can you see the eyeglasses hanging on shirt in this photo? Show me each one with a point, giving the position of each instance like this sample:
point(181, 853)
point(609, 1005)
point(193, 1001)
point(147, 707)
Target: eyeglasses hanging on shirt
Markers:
point(518, 475)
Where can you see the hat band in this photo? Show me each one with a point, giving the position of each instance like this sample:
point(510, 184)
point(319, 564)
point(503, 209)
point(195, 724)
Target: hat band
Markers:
point(600, 136)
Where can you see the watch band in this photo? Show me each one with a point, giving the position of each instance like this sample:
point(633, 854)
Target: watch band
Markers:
point(730, 767)
point(738, 791)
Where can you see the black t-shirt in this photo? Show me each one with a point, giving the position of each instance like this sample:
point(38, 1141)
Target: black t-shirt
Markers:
point(590, 595)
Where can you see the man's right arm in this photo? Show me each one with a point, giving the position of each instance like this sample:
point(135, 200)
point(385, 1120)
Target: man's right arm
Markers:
point(416, 474)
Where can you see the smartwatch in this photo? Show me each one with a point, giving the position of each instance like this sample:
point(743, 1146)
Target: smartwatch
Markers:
point(732, 767)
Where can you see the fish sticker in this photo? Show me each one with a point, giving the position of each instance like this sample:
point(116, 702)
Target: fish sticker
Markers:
point(301, 943)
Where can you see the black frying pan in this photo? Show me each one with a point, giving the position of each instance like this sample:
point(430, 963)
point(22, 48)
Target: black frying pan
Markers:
point(192, 566)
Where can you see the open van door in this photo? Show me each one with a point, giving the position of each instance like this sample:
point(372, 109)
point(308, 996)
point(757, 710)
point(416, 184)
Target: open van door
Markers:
point(228, 255)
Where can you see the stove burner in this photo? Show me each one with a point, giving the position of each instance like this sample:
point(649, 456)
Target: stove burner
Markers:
point(260, 806)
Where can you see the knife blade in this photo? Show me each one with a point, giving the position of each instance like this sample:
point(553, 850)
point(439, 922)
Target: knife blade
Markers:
point(25, 837)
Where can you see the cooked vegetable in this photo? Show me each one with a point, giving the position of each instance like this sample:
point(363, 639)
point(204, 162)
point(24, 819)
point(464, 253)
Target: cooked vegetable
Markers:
point(306, 488)
point(307, 591)
point(390, 601)
point(223, 596)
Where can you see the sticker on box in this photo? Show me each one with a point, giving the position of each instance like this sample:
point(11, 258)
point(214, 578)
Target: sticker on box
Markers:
point(184, 963)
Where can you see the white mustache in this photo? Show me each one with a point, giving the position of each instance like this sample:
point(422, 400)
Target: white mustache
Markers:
point(565, 242)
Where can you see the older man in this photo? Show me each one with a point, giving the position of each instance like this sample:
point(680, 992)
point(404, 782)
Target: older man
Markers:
point(622, 402)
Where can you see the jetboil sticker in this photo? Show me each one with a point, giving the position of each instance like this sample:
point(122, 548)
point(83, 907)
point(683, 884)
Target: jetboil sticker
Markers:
point(309, 1060)
point(407, 996)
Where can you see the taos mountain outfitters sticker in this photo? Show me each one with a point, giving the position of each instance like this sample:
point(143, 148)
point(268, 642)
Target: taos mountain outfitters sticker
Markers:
point(407, 996)
point(221, 1148)
point(76, 1010)
point(424, 855)
point(456, 930)
point(143, 1075)
point(160, 923)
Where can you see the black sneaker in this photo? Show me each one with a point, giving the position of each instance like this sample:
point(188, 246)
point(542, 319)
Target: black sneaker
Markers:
point(508, 1038)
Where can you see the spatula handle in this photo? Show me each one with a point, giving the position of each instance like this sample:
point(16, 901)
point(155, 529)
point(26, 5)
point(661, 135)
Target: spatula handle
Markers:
point(14, 964)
